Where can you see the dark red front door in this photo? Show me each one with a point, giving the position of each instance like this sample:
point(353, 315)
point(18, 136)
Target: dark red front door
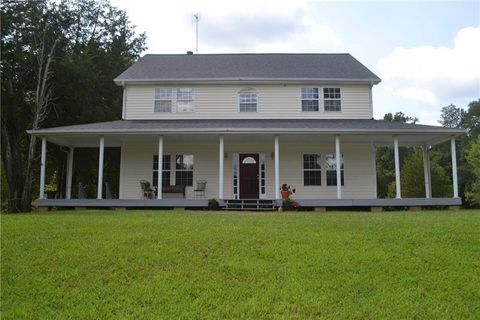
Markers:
point(249, 176)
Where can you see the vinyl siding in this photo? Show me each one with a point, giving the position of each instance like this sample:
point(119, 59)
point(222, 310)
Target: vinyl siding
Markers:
point(274, 101)
point(359, 183)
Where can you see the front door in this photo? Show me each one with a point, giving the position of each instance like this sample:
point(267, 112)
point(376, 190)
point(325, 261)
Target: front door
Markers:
point(248, 176)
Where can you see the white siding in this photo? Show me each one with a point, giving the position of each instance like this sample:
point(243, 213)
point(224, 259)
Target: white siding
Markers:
point(274, 101)
point(137, 165)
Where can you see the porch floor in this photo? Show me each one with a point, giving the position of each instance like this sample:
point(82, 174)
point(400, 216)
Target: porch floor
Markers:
point(189, 203)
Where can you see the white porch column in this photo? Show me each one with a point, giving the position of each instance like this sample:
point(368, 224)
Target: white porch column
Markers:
point(68, 191)
point(426, 171)
point(277, 168)
point(100, 168)
point(42, 168)
point(397, 168)
point(220, 167)
point(454, 167)
point(338, 166)
point(160, 168)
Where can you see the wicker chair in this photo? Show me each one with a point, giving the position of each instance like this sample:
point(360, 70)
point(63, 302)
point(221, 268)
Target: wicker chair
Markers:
point(148, 192)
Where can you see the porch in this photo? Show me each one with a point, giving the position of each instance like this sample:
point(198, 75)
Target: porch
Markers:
point(328, 167)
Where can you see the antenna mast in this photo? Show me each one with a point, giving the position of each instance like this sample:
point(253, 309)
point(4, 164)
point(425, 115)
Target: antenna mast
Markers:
point(196, 18)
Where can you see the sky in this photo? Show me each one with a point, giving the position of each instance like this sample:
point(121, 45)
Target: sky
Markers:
point(426, 53)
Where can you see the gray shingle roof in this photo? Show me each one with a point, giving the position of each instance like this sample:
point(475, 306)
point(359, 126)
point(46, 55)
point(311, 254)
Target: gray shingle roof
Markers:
point(247, 125)
point(294, 67)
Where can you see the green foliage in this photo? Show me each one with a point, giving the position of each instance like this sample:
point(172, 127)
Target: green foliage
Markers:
point(193, 265)
point(452, 117)
point(96, 43)
point(473, 156)
point(399, 117)
point(412, 177)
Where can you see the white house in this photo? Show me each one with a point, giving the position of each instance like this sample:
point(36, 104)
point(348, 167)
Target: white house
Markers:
point(244, 124)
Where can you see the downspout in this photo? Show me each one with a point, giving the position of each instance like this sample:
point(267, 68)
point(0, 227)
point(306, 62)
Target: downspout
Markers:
point(124, 100)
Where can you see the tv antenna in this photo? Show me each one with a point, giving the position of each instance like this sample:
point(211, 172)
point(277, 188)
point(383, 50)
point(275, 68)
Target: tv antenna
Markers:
point(196, 18)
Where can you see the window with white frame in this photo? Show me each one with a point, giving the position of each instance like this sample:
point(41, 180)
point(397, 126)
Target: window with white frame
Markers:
point(331, 170)
point(185, 99)
point(332, 99)
point(248, 101)
point(184, 170)
point(163, 100)
point(165, 171)
point(310, 99)
point(312, 170)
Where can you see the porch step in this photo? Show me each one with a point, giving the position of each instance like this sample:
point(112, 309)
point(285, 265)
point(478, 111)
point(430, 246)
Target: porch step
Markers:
point(249, 204)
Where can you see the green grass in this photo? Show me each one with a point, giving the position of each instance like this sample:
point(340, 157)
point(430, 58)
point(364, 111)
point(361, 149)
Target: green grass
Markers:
point(184, 265)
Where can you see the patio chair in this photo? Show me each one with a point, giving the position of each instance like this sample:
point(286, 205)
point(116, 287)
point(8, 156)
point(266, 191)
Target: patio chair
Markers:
point(148, 192)
point(199, 191)
point(108, 191)
point(82, 194)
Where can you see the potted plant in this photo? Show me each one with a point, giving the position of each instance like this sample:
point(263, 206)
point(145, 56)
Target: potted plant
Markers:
point(213, 204)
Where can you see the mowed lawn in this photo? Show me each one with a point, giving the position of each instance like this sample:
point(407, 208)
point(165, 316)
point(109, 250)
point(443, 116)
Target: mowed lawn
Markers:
point(193, 264)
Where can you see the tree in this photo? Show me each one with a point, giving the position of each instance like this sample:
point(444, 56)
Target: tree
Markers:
point(473, 157)
point(413, 183)
point(60, 57)
point(385, 159)
point(452, 117)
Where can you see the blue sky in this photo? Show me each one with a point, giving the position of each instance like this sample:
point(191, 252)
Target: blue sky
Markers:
point(427, 53)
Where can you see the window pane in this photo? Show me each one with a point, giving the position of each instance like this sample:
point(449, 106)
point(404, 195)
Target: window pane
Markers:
point(185, 106)
point(248, 107)
point(333, 105)
point(332, 178)
point(312, 177)
point(163, 93)
point(310, 105)
point(163, 106)
point(185, 93)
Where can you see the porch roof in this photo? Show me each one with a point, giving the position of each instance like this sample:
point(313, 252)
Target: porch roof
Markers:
point(247, 126)
point(378, 131)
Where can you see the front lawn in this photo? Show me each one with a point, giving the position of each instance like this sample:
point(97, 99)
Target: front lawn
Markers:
point(185, 265)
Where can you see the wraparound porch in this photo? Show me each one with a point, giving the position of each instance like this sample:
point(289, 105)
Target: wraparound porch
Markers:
point(281, 153)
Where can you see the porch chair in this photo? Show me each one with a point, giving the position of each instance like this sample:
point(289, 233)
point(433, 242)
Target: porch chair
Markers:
point(148, 192)
point(108, 191)
point(82, 194)
point(199, 191)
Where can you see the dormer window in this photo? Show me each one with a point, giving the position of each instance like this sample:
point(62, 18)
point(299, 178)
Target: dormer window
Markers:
point(248, 100)
point(309, 99)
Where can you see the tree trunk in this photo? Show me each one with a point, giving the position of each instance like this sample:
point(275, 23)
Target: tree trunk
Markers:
point(12, 161)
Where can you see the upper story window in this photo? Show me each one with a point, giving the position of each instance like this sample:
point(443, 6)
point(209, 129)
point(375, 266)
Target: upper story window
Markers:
point(185, 99)
point(248, 101)
point(166, 99)
point(309, 99)
point(332, 99)
point(163, 99)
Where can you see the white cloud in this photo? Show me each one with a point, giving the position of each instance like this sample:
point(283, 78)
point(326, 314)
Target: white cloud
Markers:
point(246, 26)
point(435, 74)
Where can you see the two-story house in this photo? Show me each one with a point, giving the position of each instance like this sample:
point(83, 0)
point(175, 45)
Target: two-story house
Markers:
point(236, 127)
